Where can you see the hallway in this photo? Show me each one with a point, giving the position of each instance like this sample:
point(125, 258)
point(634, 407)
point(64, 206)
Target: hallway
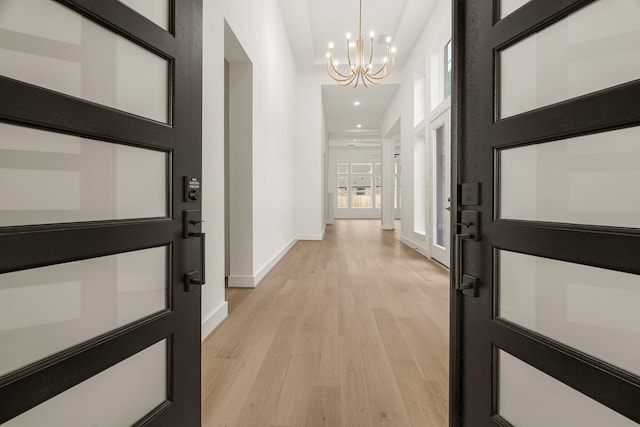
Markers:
point(351, 331)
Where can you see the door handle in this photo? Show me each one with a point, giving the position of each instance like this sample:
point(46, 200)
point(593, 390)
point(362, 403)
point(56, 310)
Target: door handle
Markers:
point(189, 277)
point(466, 284)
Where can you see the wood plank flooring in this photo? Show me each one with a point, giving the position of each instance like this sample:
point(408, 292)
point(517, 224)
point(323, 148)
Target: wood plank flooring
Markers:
point(351, 331)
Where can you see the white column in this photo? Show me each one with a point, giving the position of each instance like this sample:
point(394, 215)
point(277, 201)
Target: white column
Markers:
point(388, 222)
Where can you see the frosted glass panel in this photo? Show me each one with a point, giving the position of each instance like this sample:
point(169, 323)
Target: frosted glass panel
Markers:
point(507, 7)
point(47, 44)
point(590, 309)
point(50, 309)
point(156, 11)
point(120, 396)
point(531, 398)
point(595, 48)
point(582, 180)
point(48, 178)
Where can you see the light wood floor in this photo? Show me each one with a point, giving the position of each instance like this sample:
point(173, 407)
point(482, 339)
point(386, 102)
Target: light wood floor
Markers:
point(351, 331)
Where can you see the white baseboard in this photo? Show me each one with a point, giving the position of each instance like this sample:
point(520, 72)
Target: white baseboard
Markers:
point(416, 247)
point(241, 282)
point(387, 227)
point(313, 237)
point(212, 322)
point(253, 281)
point(272, 263)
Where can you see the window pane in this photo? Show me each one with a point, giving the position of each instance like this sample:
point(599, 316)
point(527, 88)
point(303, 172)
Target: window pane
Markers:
point(49, 45)
point(361, 192)
point(361, 168)
point(595, 48)
point(378, 169)
point(47, 310)
point(530, 398)
point(448, 65)
point(507, 7)
point(440, 187)
point(342, 192)
point(343, 168)
point(419, 99)
point(156, 11)
point(65, 178)
point(378, 192)
point(591, 309)
point(395, 193)
point(418, 187)
point(583, 180)
point(120, 396)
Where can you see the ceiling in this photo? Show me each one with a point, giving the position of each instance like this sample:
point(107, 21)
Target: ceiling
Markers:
point(312, 24)
point(342, 117)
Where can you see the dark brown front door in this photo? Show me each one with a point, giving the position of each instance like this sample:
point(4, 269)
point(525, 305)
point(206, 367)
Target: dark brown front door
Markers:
point(100, 126)
point(547, 145)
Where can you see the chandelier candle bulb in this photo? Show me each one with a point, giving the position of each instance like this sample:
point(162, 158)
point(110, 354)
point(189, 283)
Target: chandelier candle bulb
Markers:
point(356, 70)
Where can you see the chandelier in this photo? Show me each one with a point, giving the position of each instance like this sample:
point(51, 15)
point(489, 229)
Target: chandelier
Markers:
point(354, 72)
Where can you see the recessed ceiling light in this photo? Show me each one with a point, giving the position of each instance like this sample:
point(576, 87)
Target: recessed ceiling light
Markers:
point(359, 126)
point(356, 103)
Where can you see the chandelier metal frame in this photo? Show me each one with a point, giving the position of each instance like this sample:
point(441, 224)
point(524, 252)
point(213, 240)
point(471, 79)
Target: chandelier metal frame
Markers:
point(359, 71)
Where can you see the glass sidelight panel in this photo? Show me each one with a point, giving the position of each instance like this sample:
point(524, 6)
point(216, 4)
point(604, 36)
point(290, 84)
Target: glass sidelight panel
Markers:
point(157, 11)
point(48, 178)
point(590, 309)
point(47, 44)
point(583, 180)
point(343, 198)
point(361, 192)
point(120, 396)
point(507, 7)
point(595, 48)
point(440, 190)
point(528, 397)
point(378, 192)
point(47, 310)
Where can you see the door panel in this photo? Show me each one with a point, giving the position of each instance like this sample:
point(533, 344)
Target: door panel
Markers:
point(93, 245)
point(49, 309)
point(589, 309)
point(91, 62)
point(530, 398)
point(558, 181)
point(64, 178)
point(547, 272)
point(120, 396)
point(592, 49)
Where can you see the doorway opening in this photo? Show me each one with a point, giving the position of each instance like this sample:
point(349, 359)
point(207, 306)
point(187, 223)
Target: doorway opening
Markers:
point(238, 164)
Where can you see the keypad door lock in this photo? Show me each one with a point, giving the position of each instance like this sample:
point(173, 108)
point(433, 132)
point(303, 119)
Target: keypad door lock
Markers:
point(191, 189)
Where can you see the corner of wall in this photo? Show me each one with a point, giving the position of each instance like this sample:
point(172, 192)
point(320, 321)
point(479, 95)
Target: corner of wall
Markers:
point(214, 320)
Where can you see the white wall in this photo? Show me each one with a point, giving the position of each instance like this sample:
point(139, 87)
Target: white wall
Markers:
point(432, 41)
point(310, 139)
point(263, 37)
